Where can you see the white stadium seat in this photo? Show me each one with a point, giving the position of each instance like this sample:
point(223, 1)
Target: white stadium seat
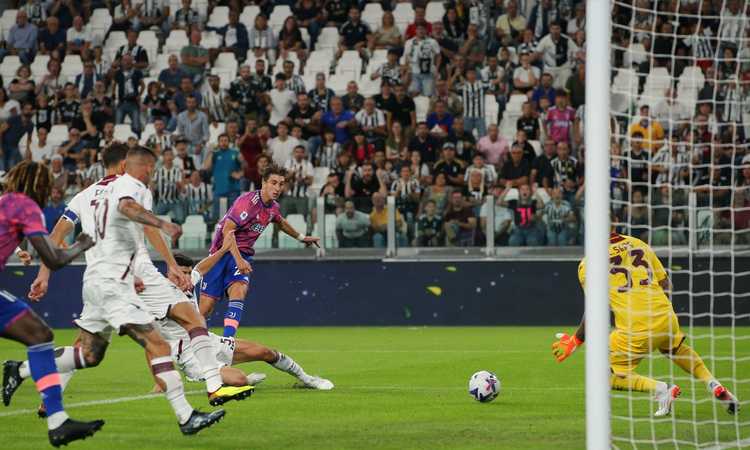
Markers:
point(194, 233)
point(298, 222)
point(434, 12)
point(71, 67)
point(328, 38)
point(248, 15)
point(422, 105)
point(123, 132)
point(8, 68)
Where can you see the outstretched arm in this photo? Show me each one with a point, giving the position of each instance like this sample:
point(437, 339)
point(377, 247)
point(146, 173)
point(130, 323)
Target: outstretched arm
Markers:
point(288, 229)
point(56, 258)
point(242, 265)
point(156, 239)
point(38, 289)
point(137, 213)
point(566, 345)
point(210, 261)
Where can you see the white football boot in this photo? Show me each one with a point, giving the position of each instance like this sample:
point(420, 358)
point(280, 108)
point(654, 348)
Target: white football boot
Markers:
point(665, 398)
point(313, 382)
point(255, 379)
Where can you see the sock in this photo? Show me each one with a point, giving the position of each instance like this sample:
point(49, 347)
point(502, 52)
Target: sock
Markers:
point(232, 317)
point(287, 364)
point(204, 351)
point(44, 373)
point(67, 359)
point(688, 360)
point(631, 381)
point(163, 368)
point(65, 379)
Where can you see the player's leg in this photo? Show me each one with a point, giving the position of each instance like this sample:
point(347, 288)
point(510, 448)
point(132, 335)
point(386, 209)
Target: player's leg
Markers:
point(236, 292)
point(162, 368)
point(27, 328)
point(246, 351)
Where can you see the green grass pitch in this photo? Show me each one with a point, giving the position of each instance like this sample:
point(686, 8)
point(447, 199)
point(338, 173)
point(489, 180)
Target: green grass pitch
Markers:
point(396, 388)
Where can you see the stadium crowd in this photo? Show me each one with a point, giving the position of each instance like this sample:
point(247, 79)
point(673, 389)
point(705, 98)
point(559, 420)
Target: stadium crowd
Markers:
point(437, 104)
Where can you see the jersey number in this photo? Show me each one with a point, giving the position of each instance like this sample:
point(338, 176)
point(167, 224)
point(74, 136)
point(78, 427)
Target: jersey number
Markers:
point(638, 261)
point(100, 216)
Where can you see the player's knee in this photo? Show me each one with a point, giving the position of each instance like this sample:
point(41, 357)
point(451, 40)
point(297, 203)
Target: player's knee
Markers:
point(39, 334)
point(269, 355)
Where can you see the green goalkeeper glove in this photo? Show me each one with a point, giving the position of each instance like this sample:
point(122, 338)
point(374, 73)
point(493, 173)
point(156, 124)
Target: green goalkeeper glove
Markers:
point(565, 346)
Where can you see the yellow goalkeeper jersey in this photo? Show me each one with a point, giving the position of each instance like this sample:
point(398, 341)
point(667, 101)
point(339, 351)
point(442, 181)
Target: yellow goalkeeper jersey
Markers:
point(635, 296)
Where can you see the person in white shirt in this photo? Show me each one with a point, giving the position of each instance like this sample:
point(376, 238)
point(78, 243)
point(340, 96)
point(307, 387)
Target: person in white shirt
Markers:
point(282, 101)
point(282, 146)
point(526, 76)
point(557, 52)
point(372, 121)
point(422, 53)
point(40, 150)
point(78, 37)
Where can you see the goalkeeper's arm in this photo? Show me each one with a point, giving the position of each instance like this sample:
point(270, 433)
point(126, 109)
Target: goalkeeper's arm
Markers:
point(566, 345)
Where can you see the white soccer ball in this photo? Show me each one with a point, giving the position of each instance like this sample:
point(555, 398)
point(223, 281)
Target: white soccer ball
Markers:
point(484, 386)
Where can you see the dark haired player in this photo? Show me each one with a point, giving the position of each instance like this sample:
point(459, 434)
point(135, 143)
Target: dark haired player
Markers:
point(27, 187)
point(250, 214)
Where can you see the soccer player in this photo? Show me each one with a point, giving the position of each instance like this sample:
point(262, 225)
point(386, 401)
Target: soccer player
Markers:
point(644, 322)
point(109, 297)
point(250, 214)
point(27, 187)
point(230, 351)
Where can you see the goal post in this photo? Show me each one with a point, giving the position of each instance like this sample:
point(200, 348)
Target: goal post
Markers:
point(597, 223)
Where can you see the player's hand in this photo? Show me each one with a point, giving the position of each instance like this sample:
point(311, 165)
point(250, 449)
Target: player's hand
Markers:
point(310, 241)
point(85, 241)
point(228, 242)
point(139, 285)
point(38, 289)
point(172, 229)
point(244, 267)
point(179, 278)
point(25, 257)
point(565, 346)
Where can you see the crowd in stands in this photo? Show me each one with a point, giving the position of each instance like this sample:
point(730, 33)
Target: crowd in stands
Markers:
point(437, 104)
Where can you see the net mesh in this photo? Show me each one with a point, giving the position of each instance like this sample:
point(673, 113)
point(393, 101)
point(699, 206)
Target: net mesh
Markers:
point(680, 107)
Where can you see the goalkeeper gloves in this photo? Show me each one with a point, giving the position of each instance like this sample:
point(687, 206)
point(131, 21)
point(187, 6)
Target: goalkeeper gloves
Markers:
point(565, 346)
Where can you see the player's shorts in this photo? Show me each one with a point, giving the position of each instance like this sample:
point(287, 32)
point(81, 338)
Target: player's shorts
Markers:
point(626, 351)
point(11, 309)
point(222, 275)
point(108, 304)
point(188, 363)
point(159, 294)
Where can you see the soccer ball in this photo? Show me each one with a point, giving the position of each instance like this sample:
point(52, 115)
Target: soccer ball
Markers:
point(484, 386)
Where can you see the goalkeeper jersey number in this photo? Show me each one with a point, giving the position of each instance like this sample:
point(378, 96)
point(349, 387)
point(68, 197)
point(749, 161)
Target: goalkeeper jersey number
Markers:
point(635, 295)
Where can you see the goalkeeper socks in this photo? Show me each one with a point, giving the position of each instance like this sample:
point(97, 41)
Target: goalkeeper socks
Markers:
point(689, 361)
point(163, 369)
point(44, 373)
point(287, 364)
point(204, 351)
point(232, 317)
point(67, 359)
point(632, 382)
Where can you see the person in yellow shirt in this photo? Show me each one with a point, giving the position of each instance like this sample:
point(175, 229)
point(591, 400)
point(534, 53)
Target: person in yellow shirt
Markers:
point(379, 223)
point(652, 131)
point(644, 322)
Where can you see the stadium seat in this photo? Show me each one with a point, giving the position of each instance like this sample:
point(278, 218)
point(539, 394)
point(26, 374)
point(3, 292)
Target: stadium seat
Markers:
point(7, 20)
point(226, 60)
point(194, 233)
point(422, 105)
point(123, 132)
point(39, 65)
point(434, 12)
point(214, 130)
point(264, 241)
point(8, 68)
point(319, 178)
point(57, 135)
point(626, 83)
point(319, 61)
point(226, 76)
point(148, 130)
point(71, 67)
point(635, 54)
point(219, 17)
point(403, 15)
point(491, 109)
point(692, 77)
point(210, 39)
point(278, 16)
point(537, 146)
point(202, 7)
point(175, 41)
point(116, 39)
point(279, 66)
point(298, 222)
point(328, 39)
point(251, 58)
point(248, 16)
point(349, 66)
point(305, 36)
point(338, 83)
point(372, 15)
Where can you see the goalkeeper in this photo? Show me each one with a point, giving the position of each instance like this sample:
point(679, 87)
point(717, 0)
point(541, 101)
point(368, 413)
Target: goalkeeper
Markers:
point(644, 322)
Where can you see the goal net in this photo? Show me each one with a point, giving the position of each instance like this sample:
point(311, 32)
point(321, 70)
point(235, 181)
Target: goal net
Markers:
point(680, 169)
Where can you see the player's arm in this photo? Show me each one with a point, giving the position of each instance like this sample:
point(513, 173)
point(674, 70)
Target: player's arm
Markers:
point(54, 257)
point(242, 265)
point(565, 344)
point(38, 289)
point(210, 261)
point(137, 213)
point(307, 240)
point(156, 239)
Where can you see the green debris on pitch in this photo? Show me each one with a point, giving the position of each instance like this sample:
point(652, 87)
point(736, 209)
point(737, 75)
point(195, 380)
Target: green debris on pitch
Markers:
point(18, 273)
point(451, 268)
point(437, 291)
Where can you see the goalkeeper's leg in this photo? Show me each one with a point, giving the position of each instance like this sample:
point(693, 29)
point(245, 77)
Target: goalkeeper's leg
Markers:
point(688, 360)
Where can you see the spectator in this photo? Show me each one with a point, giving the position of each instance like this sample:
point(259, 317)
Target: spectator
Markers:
point(22, 88)
point(360, 149)
point(559, 119)
point(360, 187)
point(304, 115)
point(54, 209)
point(8, 107)
point(59, 174)
point(182, 159)
point(453, 102)
point(103, 105)
point(465, 142)
point(516, 170)
point(423, 56)
point(352, 227)
point(430, 227)
point(85, 81)
point(198, 196)
point(36, 11)
point(185, 17)
point(452, 168)
point(473, 92)
point(261, 38)
point(225, 166)
point(352, 100)
point(494, 147)
point(440, 121)
point(281, 148)
point(651, 131)
point(576, 86)
point(153, 14)
point(290, 37)
point(372, 122)
point(234, 37)
point(215, 102)
point(329, 151)
point(379, 223)
point(299, 178)
point(388, 36)
point(172, 76)
point(527, 218)
point(169, 188)
point(137, 52)
point(391, 72)
point(73, 150)
point(425, 144)
point(154, 103)
point(320, 95)
point(525, 76)
point(560, 221)
point(282, 101)
point(354, 34)
point(243, 97)
point(460, 222)
point(503, 221)
point(39, 150)
point(542, 16)
point(487, 172)
point(339, 120)
point(78, 37)
point(402, 109)
point(455, 27)
point(12, 130)
point(160, 139)
point(84, 121)
point(542, 174)
point(194, 57)
point(22, 39)
point(192, 124)
point(510, 25)
point(473, 47)
point(528, 150)
point(69, 107)
point(407, 190)
point(564, 166)
point(44, 116)
point(129, 89)
point(544, 89)
point(52, 39)
point(558, 53)
point(124, 16)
